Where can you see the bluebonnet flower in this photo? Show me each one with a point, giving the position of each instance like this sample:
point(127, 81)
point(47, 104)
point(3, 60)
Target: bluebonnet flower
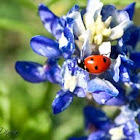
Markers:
point(34, 72)
point(89, 29)
point(126, 69)
point(92, 32)
point(97, 123)
point(98, 26)
point(52, 49)
point(73, 82)
point(72, 79)
point(61, 29)
point(126, 127)
point(100, 127)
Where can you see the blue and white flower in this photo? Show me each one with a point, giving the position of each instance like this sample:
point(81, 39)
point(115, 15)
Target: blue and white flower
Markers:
point(73, 83)
point(126, 126)
point(98, 30)
point(97, 124)
point(100, 127)
point(61, 28)
point(98, 26)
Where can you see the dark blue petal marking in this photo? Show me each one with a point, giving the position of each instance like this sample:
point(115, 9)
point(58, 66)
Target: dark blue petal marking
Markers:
point(69, 48)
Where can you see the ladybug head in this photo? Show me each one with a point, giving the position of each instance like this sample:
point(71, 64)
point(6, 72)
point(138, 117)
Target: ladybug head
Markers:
point(80, 63)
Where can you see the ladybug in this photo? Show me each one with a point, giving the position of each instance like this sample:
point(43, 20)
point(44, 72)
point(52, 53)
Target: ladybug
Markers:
point(95, 64)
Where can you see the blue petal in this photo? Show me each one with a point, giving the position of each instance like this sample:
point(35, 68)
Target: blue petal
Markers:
point(123, 19)
point(101, 97)
point(81, 138)
point(131, 36)
point(108, 10)
point(62, 101)
point(130, 10)
point(130, 127)
point(117, 101)
point(124, 75)
point(96, 118)
point(53, 71)
point(127, 62)
point(45, 46)
point(116, 50)
point(99, 86)
point(98, 135)
point(74, 9)
point(80, 92)
point(31, 71)
point(136, 58)
point(66, 43)
point(136, 135)
point(118, 16)
point(66, 22)
point(134, 92)
point(50, 21)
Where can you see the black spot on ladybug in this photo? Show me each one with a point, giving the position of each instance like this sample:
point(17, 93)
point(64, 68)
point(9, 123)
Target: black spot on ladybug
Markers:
point(91, 59)
point(96, 67)
point(104, 59)
point(87, 69)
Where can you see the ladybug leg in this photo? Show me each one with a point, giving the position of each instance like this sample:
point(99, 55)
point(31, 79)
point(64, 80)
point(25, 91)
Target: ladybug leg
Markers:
point(80, 63)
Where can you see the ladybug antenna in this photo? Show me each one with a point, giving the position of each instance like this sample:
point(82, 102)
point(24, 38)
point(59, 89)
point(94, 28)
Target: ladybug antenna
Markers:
point(80, 63)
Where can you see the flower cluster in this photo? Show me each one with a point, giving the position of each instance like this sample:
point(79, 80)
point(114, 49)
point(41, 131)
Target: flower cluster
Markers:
point(100, 127)
point(97, 30)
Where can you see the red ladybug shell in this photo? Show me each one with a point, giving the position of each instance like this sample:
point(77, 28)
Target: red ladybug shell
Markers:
point(97, 64)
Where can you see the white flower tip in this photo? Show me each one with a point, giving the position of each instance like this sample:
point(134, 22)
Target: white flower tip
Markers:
point(108, 21)
point(105, 48)
point(116, 33)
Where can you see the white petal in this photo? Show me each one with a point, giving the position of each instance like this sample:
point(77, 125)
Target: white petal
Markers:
point(98, 84)
point(125, 24)
point(78, 23)
point(70, 81)
point(86, 45)
point(82, 81)
point(62, 41)
point(116, 69)
point(105, 48)
point(94, 7)
point(116, 33)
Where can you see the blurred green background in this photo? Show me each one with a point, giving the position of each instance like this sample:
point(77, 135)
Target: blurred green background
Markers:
point(25, 107)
